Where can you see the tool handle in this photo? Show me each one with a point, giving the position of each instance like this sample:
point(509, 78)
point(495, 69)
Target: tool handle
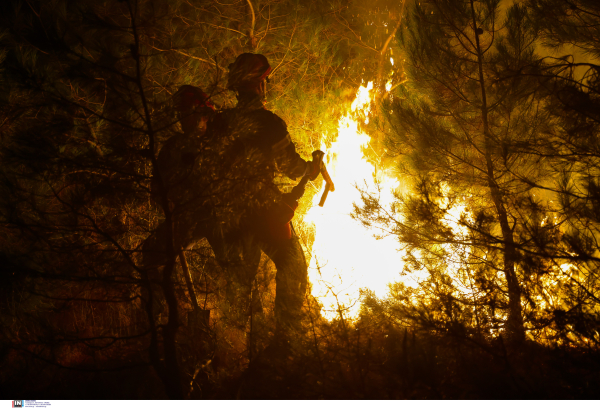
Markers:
point(329, 186)
point(324, 196)
point(327, 178)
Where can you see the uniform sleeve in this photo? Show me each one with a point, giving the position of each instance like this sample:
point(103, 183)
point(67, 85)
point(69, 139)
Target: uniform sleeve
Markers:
point(283, 151)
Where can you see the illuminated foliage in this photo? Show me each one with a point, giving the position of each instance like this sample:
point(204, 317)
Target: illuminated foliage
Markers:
point(489, 139)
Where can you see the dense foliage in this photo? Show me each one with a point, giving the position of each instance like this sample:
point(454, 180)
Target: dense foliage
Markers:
point(495, 139)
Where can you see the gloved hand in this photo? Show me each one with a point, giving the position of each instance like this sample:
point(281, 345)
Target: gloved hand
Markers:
point(291, 199)
point(296, 193)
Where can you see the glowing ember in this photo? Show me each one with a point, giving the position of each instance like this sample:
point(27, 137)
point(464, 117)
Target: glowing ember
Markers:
point(345, 255)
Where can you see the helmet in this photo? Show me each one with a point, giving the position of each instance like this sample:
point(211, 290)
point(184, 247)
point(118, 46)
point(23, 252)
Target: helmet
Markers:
point(247, 71)
point(193, 106)
point(190, 98)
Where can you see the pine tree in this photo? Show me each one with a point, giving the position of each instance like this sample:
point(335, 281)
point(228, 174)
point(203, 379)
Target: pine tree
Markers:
point(459, 131)
point(570, 84)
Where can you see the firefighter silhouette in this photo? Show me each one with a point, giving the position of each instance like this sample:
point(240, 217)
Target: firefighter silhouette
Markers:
point(258, 146)
point(219, 175)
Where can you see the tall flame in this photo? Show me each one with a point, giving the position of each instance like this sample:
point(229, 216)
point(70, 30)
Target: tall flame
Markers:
point(345, 256)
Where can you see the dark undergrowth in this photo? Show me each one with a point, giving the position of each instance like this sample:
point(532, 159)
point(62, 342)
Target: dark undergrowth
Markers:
point(347, 361)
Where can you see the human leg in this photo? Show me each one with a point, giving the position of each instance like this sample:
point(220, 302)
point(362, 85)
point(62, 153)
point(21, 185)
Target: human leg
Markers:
point(155, 255)
point(238, 254)
point(291, 281)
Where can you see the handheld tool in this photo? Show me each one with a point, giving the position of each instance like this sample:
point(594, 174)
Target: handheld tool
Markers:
point(329, 186)
point(298, 190)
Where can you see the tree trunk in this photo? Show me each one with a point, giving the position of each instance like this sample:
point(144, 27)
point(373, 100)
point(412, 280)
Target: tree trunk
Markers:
point(170, 370)
point(514, 324)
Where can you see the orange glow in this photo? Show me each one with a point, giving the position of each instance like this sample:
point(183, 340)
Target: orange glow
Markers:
point(345, 256)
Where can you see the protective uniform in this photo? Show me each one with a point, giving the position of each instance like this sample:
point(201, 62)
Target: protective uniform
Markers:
point(256, 145)
point(259, 147)
point(177, 166)
point(177, 157)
